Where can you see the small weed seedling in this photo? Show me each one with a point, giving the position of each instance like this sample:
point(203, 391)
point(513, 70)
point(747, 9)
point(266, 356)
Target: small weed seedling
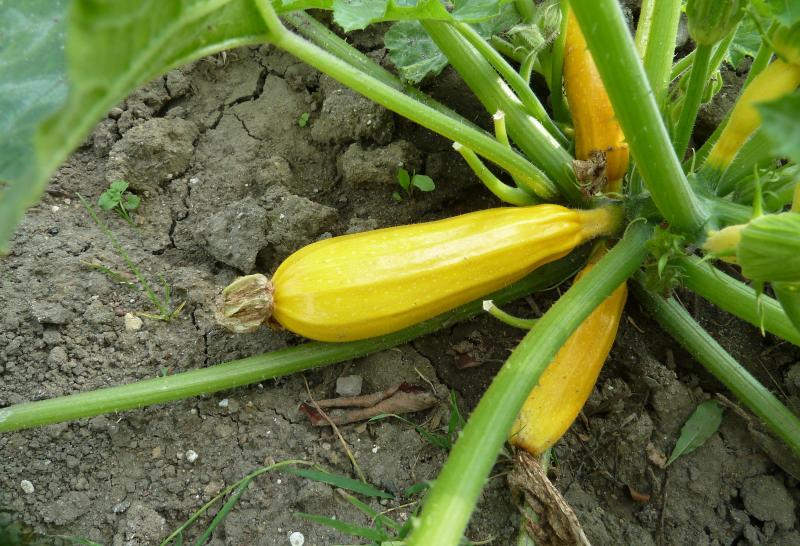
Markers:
point(162, 303)
point(408, 182)
point(302, 121)
point(118, 199)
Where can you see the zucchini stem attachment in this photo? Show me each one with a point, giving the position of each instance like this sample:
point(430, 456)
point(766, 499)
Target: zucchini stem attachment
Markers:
point(245, 304)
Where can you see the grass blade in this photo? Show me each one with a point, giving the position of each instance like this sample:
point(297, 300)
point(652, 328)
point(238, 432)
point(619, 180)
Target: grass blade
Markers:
point(345, 527)
point(223, 513)
point(341, 482)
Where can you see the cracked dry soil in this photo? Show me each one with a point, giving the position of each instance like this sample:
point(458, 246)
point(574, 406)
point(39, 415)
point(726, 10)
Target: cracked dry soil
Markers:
point(231, 183)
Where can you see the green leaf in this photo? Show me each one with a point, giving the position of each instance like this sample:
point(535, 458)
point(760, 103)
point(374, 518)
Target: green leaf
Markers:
point(302, 121)
point(417, 488)
point(703, 422)
point(423, 182)
point(111, 48)
point(33, 84)
point(349, 528)
point(416, 56)
point(396, 196)
point(779, 123)
point(413, 52)
point(131, 202)
point(107, 200)
point(403, 179)
point(341, 482)
point(357, 14)
point(118, 187)
point(745, 42)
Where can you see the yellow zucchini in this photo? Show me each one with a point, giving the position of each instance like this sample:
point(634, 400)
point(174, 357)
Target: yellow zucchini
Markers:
point(568, 381)
point(368, 284)
point(596, 127)
point(775, 81)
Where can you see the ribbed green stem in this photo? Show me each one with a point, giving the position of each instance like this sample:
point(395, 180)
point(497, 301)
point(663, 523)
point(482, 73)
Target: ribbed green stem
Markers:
point(529, 100)
point(737, 298)
point(504, 192)
point(680, 325)
point(412, 109)
point(530, 135)
point(725, 213)
point(628, 88)
point(330, 42)
point(643, 26)
point(559, 105)
point(450, 502)
point(694, 95)
point(660, 47)
point(260, 368)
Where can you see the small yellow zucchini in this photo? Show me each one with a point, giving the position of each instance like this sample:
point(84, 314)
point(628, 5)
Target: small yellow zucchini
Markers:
point(368, 284)
point(775, 81)
point(568, 381)
point(596, 127)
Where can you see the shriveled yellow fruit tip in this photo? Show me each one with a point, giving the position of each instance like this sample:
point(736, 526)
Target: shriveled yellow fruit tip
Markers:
point(245, 304)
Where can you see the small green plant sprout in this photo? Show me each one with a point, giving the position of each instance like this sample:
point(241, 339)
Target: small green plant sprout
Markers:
point(118, 199)
point(410, 181)
point(302, 121)
point(163, 302)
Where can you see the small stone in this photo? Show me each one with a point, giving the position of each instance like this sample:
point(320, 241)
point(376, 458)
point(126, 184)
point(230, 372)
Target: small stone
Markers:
point(223, 403)
point(235, 234)
point(50, 313)
point(349, 385)
point(27, 487)
point(132, 322)
point(57, 357)
point(191, 456)
point(297, 539)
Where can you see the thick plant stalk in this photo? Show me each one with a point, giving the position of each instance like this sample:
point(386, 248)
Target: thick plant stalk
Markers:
point(680, 325)
point(659, 43)
point(258, 368)
point(513, 78)
point(406, 106)
point(694, 95)
point(526, 132)
point(326, 39)
point(628, 88)
point(737, 298)
point(452, 499)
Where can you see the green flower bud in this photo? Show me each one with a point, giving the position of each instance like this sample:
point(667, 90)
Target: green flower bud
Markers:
point(712, 20)
point(769, 249)
point(787, 43)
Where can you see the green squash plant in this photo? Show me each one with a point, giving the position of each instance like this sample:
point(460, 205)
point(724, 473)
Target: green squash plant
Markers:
point(65, 64)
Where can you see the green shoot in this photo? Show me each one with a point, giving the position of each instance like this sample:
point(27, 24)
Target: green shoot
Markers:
point(119, 199)
point(410, 181)
point(161, 303)
point(302, 121)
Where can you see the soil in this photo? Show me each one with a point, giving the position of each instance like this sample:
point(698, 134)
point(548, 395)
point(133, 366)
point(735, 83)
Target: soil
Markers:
point(232, 183)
